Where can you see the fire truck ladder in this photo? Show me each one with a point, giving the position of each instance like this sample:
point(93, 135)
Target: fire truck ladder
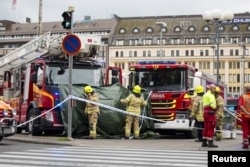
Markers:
point(26, 53)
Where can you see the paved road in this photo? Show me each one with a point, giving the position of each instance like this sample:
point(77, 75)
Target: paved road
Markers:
point(72, 156)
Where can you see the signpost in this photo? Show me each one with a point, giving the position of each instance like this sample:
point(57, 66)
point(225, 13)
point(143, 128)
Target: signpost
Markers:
point(71, 44)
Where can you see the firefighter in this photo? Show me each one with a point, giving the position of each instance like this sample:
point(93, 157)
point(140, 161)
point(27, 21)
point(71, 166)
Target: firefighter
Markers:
point(219, 114)
point(92, 110)
point(209, 109)
point(244, 103)
point(197, 112)
point(134, 102)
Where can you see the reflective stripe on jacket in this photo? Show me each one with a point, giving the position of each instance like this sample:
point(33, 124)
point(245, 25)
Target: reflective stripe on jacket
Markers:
point(220, 104)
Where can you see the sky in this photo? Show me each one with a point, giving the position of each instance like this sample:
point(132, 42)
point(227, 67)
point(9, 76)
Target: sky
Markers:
point(102, 9)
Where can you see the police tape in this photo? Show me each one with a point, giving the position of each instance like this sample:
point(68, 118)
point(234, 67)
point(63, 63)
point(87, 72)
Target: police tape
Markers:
point(114, 109)
point(58, 105)
point(92, 102)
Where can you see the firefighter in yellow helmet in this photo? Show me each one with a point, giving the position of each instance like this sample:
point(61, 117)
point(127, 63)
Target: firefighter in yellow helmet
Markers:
point(197, 112)
point(219, 114)
point(91, 110)
point(134, 102)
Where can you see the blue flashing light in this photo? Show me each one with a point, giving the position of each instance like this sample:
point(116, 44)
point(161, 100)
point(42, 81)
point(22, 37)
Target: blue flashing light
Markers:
point(157, 62)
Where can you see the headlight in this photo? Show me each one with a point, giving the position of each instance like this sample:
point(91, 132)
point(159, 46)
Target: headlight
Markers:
point(14, 112)
point(5, 113)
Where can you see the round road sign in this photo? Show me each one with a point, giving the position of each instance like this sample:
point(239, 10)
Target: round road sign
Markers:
point(71, 44)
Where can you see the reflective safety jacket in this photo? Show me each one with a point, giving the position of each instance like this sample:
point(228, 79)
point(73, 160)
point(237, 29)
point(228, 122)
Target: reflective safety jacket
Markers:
point(90, 108)
point(134, 103)
point(245, 102)
point(209, 102)
point(220, 109)
point(197, 109)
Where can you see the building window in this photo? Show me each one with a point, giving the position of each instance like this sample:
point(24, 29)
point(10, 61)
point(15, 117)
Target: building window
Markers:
point(201, 53)
point(236, 52)
point(135, 53)
point(248, 27)
point(177, 53)
point(172, 53)
point(136, 30)
point(231, 52)
point(149, 30)
point(144, 53)
point(187, 53)
point(121, 53)
point(149, 53)
point(116, 54)
point(191, 29)
point(130, 53)
point(192, 52)
point(206, 28)
point(206, 53)
point(235, 28)
point(122, 31)
point(221, 52)
point(177, 29)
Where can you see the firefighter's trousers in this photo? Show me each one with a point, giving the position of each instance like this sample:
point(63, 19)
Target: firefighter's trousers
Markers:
point(209, 125)
point(200, 126)
point(245, 130)
point(129, 120)
point(93, 118)
point(219, 124)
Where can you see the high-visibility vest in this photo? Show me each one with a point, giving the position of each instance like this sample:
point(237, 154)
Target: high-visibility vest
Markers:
point(246, 104)
point(209, 102)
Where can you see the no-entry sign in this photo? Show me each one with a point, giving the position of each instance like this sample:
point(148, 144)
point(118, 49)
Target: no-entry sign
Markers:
point(71, 44)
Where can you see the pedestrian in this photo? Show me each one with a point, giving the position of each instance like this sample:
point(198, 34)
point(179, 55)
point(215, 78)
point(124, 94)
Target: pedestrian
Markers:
point(219, 114)
point(92, 110)
point(244, 103)
point(197, 112)
point(209, 109)
point(134, 102)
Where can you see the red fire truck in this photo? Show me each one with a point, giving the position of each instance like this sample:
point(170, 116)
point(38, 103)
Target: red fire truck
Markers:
point(33, 73)
point(172, 85)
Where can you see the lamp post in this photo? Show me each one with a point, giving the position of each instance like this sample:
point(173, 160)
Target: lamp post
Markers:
point(213, 47)
point(162, 26)
point(242, 69)
point(218, 18)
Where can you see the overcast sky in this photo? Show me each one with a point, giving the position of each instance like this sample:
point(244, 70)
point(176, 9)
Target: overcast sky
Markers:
point(101, 9)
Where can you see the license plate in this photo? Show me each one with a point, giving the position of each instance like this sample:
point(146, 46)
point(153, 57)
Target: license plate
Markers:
point(180, 116)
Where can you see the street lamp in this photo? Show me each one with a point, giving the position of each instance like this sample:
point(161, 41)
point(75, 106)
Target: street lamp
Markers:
point(218, 18)
point(213, 47)
point(242, 67)
point(162, 25)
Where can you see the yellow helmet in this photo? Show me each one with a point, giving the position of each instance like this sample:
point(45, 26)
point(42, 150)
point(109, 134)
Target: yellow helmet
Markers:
point(217, 89)
point(88, 89)
point(137, 89)
point(199, 89)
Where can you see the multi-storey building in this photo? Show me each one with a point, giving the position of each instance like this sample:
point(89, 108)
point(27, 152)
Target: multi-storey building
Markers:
point(186, 38)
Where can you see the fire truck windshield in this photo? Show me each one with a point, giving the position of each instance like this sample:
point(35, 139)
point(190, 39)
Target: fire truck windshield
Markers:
point(161, 79)
point(57, 75)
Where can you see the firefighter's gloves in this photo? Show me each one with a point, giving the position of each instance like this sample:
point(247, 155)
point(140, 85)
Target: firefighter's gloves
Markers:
point(123, 101)
point(211, 112)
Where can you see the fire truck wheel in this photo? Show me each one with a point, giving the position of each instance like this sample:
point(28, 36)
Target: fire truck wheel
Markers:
point(32, 128)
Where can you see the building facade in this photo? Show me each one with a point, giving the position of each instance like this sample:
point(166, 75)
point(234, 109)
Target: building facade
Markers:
point(185, 38)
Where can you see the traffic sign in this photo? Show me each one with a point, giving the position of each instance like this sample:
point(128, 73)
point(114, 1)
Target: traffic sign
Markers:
point(71, 44)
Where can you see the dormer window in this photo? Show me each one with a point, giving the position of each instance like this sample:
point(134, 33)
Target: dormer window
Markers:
point(177, 29)
point(206, 28)
point(191, 29)
point(122, 31)
point(149, 30)
point(136, 30)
